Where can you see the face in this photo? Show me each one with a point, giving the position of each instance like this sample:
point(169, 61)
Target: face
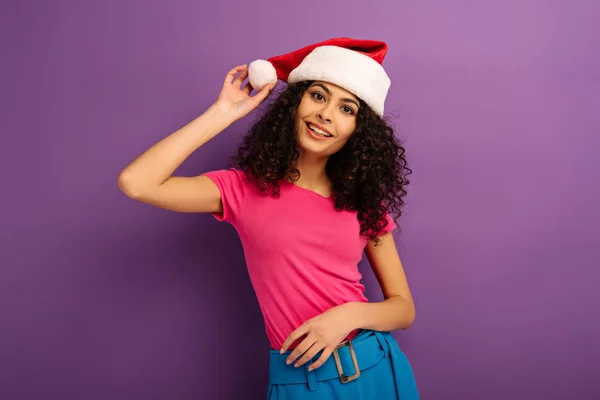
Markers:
point(326, 118)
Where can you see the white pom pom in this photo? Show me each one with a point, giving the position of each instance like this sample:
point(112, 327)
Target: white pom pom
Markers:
point(261, 73)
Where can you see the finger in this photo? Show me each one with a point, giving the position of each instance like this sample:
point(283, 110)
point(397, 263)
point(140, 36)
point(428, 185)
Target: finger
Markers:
point(309, 354)
point(298, 333)
point(240, 78)
point(263, 94)
point(300, 349)
point(248, 88)
point(243, 108)
point(326, 354)
point(233, 72)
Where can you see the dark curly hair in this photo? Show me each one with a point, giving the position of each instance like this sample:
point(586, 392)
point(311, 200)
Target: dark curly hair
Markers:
point(368, 174)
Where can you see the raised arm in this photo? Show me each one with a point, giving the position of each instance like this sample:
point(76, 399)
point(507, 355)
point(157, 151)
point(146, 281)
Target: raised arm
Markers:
point(149, 178)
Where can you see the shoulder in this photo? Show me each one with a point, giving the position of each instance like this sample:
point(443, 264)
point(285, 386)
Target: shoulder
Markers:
point(227, 174)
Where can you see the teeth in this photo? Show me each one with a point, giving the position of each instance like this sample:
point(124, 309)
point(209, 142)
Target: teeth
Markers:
point(319, 131)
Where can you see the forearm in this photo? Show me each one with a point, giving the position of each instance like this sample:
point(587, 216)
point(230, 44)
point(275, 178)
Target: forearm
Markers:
point(159, 162)
point(388, 315)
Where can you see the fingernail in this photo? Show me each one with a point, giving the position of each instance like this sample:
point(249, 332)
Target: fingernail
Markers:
point(310, 369)
point(288, 362)
point(296, 365)
point(281, 351)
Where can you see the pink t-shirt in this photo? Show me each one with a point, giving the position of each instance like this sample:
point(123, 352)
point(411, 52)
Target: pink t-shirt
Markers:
point(302, 255)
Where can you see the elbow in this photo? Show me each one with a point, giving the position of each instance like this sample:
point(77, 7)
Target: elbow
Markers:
point(129, 186)
point(409, 316)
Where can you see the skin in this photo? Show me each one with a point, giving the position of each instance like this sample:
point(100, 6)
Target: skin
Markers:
point(149, 179)
point(334, 109)
point(330, 328)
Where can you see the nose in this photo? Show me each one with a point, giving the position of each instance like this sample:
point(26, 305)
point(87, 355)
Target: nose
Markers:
point(324, 113)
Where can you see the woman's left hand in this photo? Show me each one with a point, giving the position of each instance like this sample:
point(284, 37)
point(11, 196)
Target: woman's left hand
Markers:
point(323, 332)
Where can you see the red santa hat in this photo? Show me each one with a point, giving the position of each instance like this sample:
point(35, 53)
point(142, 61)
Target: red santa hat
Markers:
point(355, 65)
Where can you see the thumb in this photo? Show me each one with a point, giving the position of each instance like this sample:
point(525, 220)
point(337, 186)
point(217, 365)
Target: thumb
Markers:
point(247, 105)
point(263, 93)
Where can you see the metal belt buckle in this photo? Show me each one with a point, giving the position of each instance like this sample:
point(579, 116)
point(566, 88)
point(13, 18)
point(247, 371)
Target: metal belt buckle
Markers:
point(338, 364)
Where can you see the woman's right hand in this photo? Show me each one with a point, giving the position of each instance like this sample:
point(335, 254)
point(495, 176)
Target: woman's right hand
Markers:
point(236, 100)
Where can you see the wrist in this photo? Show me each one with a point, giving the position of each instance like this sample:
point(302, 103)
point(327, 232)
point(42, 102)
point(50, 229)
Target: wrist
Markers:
point(222, 113)
point(355, 312)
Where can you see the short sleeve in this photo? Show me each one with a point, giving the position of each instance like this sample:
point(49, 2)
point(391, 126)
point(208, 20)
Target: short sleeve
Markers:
point(232, 185)
point(390, 226)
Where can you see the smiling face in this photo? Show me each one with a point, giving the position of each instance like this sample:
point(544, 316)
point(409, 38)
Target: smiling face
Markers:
point(326, 118)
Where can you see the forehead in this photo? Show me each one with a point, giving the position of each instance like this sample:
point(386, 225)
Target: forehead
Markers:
point(335, 90)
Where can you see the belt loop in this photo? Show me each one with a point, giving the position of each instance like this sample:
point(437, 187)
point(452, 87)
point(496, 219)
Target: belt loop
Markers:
point(382, 342)
point(311, 378)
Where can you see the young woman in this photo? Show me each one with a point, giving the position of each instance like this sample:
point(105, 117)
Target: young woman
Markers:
point(316, 183)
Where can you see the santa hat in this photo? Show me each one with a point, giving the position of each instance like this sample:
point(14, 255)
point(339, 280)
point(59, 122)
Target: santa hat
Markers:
point(352, 64)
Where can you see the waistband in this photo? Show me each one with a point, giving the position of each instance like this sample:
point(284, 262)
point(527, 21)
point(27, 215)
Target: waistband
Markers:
point(364, 351)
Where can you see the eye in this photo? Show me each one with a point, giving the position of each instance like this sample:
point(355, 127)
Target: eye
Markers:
point(348, 110)
point(317, 96)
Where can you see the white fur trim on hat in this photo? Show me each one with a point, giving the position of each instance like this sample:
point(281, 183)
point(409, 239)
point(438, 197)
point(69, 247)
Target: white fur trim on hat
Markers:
point(261, 73)
point(351, 70)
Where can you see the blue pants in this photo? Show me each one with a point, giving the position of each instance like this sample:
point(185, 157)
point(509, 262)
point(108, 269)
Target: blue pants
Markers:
point(384, 373)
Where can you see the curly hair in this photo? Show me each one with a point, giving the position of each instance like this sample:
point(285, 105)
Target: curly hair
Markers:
point(368, 175)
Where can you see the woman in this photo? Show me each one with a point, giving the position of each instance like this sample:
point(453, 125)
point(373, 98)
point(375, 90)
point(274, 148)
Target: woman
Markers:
point(317, 181)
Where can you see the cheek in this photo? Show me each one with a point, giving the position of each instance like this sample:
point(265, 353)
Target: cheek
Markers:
point(300, 116)
point(346, 129)
point(304, 106)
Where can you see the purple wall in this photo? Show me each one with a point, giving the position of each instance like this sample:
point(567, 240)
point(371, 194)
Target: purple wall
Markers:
point(105, 298)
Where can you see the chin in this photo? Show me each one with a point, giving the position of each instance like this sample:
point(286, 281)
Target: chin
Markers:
point(309, 146)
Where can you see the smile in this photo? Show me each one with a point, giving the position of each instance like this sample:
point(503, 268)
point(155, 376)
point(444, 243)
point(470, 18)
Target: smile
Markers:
point(317, 133)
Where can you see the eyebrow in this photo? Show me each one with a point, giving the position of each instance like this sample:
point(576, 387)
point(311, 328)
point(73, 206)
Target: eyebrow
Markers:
point(329, 93)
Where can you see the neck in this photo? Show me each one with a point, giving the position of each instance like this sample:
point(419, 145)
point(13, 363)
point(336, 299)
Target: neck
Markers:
point(312, 173)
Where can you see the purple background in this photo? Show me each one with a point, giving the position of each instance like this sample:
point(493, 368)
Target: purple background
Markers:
point(105, 298)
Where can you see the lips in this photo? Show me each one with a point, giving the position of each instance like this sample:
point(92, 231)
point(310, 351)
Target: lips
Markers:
point(317, 132)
